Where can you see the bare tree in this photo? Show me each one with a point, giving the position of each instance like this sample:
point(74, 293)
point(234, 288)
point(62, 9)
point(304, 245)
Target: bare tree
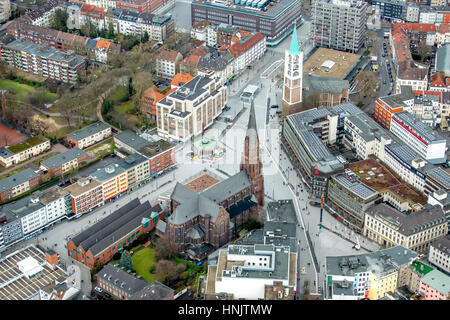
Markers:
point(165, 249)
point(422, 50)
point(167, 271)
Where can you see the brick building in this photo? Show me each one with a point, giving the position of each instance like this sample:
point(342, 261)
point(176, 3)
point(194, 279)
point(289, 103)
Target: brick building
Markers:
point(64, 162)
point(85, 195)
point(113, 233)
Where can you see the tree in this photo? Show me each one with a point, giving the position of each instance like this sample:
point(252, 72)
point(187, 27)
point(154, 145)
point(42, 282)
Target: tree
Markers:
point(145, 37)
point(97, 267)
point(166, 271)
point(366, 83)
point(126, 261)
point(164, 248)
point(58, 20)
point(422, 50)
point(110, 34)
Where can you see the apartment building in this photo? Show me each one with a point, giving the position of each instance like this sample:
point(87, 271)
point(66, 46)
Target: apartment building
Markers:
point(160, 154)
point(167, 63)
point(64, 162)
point(386, 106)
point(24, 217)
point(41, 35)
point(191, 109)
point(435, 286)
point(216, 63)
point(272, 19)
point(18, 183)
point(370, 275)
point(114, 180)
point(339, 24)
point(85, 195)
point(205, 31)
point(89, 135)
point(12, 155)
point(102, 3)
point(247, 49)
point(42, 14)
point(350, 198)
point(123, 285)
point(413, 275)
point(157, 26)
point(44, 61)
point(113, 233)
point(441, 198)
point(93, 15)
point(429, 144)
point(439, 254)
point(390, 227)
point(438, 14)
point(137, 168)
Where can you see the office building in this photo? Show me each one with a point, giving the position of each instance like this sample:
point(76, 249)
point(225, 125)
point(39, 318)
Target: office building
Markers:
point(339, 24)
point(272, 19)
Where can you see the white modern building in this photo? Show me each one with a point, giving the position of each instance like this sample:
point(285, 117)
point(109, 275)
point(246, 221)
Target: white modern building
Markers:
point(243, 271)
point(420, 137)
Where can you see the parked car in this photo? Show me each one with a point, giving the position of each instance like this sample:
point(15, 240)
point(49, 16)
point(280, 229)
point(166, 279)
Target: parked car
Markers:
point(98, 289)
point(274, 106)
point(106, 295)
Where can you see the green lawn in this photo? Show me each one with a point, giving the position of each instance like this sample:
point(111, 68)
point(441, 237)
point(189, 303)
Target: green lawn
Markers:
point(142, 261)
point(124, 108)
point(22, 91)
point(99, 150)
point(120, 95)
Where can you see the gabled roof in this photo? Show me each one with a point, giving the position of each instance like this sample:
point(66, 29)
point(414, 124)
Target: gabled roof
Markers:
point(181, 78)
point(168, 55)
point(242, 46)
point(437, 80)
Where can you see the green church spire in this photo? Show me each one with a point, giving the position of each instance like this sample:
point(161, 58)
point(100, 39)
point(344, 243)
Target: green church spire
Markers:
point(294, 49)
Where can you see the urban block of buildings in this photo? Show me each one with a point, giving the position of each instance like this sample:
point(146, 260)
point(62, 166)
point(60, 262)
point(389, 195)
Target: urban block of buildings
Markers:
point(272, 19)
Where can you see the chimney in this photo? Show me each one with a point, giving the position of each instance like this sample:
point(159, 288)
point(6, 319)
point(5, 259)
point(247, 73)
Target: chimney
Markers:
point(52, 258)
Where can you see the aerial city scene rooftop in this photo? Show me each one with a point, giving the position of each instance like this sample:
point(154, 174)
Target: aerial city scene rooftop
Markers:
point(199, 150)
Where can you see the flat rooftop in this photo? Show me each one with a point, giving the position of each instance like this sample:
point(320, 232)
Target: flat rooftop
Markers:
point(14, 285)
point(83, 185)
point(342, 63)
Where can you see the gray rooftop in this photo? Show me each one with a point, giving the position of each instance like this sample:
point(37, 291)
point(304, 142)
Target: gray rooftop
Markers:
point(397, 100)
point(20, 208)
point(352, 184)
point(108, 172)
point(273, 13)
point(345, 109)
point(378, 262)
point(61, 158)
point(282, 210)
point(215, 59)
point(121, 279)
point(440, 176)
point(153, 291)
point(418, 127)
point(51, 53)
point(315, 146)
point(443, 58)
point(17, 179)
point(192, 89)
point(408, 224)
point(114, 227)
point(443, 244)
point(88, 130)
point(141, 145)
point(316, 84)
point(438, 281)
point(207, 202)
point(131, 161)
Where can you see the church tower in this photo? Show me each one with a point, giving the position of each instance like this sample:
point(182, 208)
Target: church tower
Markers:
point(293, 74)
point(251, 159)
